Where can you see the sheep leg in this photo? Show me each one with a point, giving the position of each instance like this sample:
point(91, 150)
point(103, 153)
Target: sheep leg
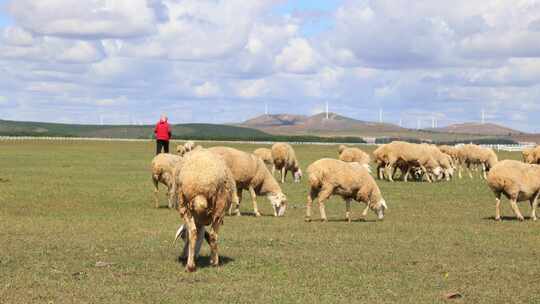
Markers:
point(323, 196)
point(515, 208)
point(388, 172)
point(283, 172)
point(192, 241)
point(237, 207)
point(380, 171)
point(171, 197)
point(407, 173)
point(498, 206)
point(470, 170)
point(394, 171)
point(348, 210)
point(534, 204)
point(156, 191)
point(254, 200)
point(212, 241)
point(364, 213)
point(426, 173)
point(484, 171)
point(313, 193)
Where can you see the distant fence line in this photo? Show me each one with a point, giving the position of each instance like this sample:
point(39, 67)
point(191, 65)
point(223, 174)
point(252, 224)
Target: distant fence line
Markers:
point(510, 148)
point(56, 138)
point(498, 147)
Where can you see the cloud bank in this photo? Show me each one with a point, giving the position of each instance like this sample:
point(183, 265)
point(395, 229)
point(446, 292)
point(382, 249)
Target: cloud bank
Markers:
point(222, 61)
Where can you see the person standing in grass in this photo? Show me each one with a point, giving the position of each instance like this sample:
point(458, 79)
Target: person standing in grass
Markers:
point(163, 134)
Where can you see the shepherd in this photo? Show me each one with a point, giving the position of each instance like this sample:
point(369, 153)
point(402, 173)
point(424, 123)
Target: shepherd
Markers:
point(163, 134)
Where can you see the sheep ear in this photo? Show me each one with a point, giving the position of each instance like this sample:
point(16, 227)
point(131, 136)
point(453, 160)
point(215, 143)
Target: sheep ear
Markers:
point(179, 233)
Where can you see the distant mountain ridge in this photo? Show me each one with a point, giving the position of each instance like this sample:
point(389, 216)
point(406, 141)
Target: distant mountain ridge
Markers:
point(478, 128)
point(318, 123)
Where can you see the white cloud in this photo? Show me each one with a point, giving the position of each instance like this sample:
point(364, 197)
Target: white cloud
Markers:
point(207, 89)
point(298, 57)
point(85, 19)
point(148, 56)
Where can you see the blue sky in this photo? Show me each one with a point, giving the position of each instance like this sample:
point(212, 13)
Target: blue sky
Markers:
point(223, 61)
point(4, 17)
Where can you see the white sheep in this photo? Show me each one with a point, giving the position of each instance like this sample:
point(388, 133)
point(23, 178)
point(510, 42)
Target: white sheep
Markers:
point(355, 155)
point(189, 145)
point(518, 182)
point(351, 181)
point(473, 155)
point(265, 154)
point(162, 172)
point(250, 173)
point(413, 155)
point(285, 160)
point(204, 188)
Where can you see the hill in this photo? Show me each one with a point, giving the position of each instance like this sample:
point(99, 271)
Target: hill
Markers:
point(179, 131)
point(478, 128)
point(195, 131)
point(335, 125)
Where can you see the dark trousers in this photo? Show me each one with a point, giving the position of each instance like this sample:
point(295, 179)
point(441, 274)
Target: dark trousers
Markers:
point(162, 144)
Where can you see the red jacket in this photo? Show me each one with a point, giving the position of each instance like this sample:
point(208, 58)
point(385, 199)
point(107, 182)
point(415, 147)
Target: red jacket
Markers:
point(162, 130)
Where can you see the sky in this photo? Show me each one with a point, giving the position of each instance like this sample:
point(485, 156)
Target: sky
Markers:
point(222, 61)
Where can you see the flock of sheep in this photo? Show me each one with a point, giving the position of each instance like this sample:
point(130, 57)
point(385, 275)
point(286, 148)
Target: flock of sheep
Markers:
point(206, 183)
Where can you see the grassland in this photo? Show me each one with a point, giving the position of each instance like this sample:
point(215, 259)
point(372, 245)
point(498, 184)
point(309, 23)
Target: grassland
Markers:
point(66, 206)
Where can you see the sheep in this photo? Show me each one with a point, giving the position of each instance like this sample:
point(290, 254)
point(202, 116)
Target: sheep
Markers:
point(355, 155)
point(531, 155)
point(341, 148)
point(450, 150)
point(526, 154)
point(351, 181)
point(189, 145)
point(412, 154)
point(380, 157)
point(518, 182)
point(250, 173)
point(204, 189)
point(265, 154)
point(162, 172)
point(444, 160)
point(285, 160)
point(474, 155)
point(180, 150)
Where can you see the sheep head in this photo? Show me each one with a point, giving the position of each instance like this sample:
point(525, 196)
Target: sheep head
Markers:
point(297, 174)
point(279, 203)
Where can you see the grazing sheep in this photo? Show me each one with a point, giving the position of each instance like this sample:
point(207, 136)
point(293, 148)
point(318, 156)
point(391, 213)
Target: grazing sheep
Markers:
point(265, 154)
point(189, 145)
point(413, 155)
point(450, 150)
point(518, 182)
point(444, 160)
point(180, 150)
point(355, 155)
point(250, 173)
point(351, 181)
point(531, 155)
point(380, 155)
point(474, 155)
point(204, 188)
point(162, 172)
point(285, 161)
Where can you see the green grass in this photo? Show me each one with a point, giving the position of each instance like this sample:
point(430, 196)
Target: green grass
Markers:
point(65, 206)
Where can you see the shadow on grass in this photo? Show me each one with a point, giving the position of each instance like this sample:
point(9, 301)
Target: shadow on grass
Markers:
point(204, 261)
point(163, 207)
point(250, 214)
point(343, 220)
point(505, 218)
